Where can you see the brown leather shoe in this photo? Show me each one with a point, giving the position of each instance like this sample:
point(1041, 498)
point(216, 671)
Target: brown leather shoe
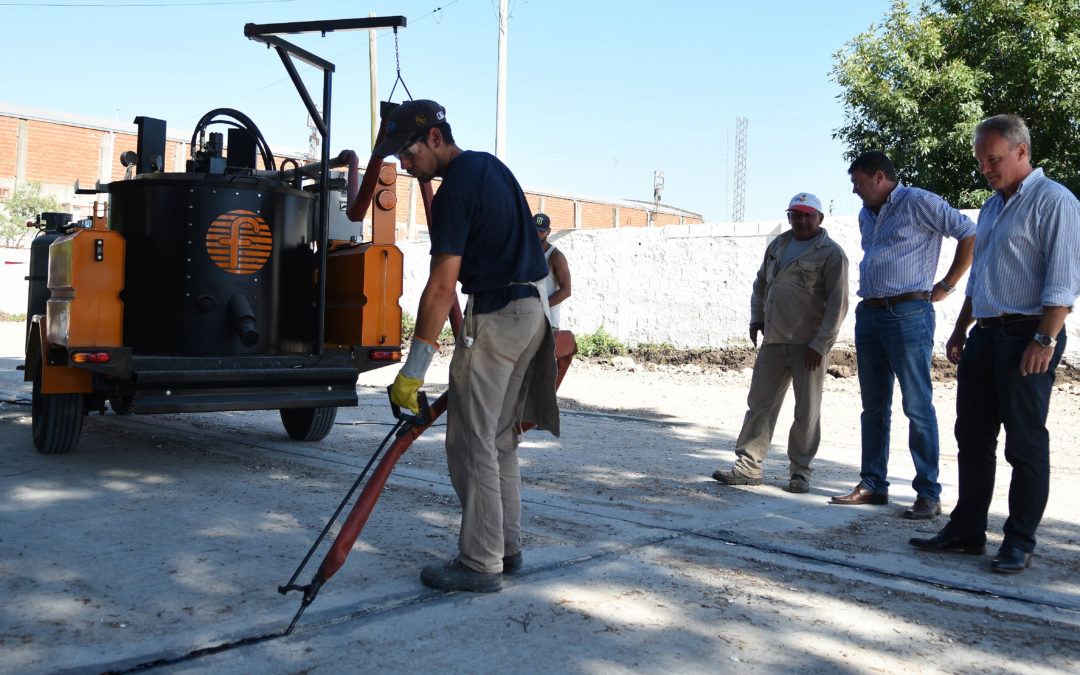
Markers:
point(924, 508)
point(862, 495)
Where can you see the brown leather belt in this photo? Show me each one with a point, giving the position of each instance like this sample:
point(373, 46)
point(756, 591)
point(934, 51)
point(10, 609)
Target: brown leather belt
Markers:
point(896, 299)
point(1006, 318)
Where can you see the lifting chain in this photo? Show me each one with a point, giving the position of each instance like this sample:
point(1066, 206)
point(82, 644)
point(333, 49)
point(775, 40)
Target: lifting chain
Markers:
point(397, 63)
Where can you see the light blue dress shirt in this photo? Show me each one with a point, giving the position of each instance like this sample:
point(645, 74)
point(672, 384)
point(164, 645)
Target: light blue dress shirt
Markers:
point(902, 242)
point(1027, 250)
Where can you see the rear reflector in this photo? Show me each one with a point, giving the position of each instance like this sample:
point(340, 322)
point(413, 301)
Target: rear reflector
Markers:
point(90, 357)
point(386, 356)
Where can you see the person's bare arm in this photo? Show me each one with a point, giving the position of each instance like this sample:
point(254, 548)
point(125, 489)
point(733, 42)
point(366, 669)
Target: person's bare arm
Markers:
point(561, 270)
point(438, 296)
point(954, 348)
point(965, 252)
point(1036, 358)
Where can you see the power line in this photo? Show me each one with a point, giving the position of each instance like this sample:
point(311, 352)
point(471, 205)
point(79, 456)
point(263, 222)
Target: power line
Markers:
point(128, 5)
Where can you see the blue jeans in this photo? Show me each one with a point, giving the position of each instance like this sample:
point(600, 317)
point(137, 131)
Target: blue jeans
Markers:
point(992, 393)
point(896, 342)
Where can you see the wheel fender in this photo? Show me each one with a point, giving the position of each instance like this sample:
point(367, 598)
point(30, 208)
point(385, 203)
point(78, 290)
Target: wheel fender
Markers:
point(32, 362)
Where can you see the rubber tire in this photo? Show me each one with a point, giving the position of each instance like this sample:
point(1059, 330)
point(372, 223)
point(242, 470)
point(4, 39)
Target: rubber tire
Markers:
point(308, 424)
point(57, 420)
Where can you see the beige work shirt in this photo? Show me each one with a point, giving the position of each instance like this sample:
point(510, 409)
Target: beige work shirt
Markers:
point(806, 301)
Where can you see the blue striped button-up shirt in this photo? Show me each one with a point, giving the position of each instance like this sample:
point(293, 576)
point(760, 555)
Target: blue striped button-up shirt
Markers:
point(902, 242)
point(1027, 252)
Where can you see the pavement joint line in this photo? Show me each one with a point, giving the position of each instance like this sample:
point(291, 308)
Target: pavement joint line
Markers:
point(729, 537)
point(387, 605)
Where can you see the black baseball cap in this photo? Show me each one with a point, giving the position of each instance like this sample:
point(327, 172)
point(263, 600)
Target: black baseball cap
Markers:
point(406, 121)
point(543, 223)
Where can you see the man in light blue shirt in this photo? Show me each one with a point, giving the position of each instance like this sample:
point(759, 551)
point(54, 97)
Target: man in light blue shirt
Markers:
point(1023, 284)
point(901, 229)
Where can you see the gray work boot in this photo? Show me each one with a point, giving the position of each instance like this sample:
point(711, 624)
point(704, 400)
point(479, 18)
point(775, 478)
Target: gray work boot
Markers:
point(512, 563)
point(733, 477)
point(798, 484)
point(453, 576)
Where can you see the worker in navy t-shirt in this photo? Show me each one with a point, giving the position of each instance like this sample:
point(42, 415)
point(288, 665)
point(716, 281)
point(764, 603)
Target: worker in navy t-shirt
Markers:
point(503, 369)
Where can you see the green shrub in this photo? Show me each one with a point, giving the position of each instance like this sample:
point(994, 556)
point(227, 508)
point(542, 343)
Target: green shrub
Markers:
point(408, 328)
point(601, 343)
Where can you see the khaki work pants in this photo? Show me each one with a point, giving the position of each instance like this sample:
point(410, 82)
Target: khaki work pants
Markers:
point(777, 366)
point(487, 387)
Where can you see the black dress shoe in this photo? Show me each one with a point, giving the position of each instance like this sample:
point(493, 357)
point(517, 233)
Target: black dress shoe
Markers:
point(947, 543)
point(1010, 560)
point(924, 508)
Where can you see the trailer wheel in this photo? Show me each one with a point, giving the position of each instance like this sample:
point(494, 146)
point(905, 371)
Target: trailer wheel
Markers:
point(308, 424)
point(57, 420)
point(122, 404)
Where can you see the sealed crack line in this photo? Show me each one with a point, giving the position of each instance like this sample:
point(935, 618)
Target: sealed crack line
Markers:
point(729, 537)
point(143, 664)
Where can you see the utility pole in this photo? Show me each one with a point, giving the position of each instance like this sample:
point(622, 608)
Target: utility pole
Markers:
point(500, 96)
point(373, 63)
point(657, 188)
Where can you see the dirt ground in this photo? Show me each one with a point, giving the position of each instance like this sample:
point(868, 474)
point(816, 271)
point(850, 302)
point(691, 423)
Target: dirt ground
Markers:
point(842, 362)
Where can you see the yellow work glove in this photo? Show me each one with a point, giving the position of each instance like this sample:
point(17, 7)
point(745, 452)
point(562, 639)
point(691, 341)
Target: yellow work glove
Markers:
point(411, 378)
point(403, 392)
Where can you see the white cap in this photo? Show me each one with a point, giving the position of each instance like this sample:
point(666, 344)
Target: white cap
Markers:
point(804, 201)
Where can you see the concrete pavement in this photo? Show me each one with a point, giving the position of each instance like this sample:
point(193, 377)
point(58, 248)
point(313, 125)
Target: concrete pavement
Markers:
point(160, 542)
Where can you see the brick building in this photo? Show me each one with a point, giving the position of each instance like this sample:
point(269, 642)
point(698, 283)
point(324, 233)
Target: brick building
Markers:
point(57, 149)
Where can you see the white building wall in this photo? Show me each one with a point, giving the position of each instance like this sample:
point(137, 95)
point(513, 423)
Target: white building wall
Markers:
point(688, 285)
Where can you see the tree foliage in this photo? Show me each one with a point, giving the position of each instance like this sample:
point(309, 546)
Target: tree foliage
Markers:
point(23, 206)
point(916, 86)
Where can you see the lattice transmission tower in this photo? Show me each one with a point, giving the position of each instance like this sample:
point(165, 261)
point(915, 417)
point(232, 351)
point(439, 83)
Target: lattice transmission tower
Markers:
point(738, 208)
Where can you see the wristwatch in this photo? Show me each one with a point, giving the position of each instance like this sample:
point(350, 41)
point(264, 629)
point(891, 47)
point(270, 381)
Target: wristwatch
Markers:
point(1044, 340)
point(946, 286)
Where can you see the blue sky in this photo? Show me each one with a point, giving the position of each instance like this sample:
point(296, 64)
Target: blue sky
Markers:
point(600, 94)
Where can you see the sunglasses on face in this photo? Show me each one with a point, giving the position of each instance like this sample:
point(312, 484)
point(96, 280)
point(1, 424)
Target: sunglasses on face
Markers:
point(411, 148)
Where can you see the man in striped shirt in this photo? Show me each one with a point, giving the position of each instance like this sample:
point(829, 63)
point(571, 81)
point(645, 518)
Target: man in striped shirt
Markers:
point(902, 229)
point(1024, 282)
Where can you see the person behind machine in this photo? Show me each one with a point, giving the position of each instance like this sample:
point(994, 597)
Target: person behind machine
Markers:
point(503, 367)
point(557, 283)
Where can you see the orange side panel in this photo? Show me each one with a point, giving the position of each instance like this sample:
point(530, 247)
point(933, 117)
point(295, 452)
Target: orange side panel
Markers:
point(64, 379)
point(363, 287)
point(86, 275)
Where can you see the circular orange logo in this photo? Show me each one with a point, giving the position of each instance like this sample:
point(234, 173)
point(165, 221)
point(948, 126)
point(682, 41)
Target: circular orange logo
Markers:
point(239, 242)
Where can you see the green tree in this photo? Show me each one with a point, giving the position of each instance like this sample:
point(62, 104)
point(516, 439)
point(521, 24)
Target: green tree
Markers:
point(23, 206)
point(916, 85)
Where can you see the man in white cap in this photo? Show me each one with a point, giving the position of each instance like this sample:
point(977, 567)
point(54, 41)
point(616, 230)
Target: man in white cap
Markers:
point(798, 304)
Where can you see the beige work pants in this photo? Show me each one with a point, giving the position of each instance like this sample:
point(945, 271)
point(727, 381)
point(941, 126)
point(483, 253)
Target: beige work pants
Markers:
point(777, 366)
point(487, 385)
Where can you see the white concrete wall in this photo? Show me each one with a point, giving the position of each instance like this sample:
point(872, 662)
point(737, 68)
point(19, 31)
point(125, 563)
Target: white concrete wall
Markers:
point(688, 285)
